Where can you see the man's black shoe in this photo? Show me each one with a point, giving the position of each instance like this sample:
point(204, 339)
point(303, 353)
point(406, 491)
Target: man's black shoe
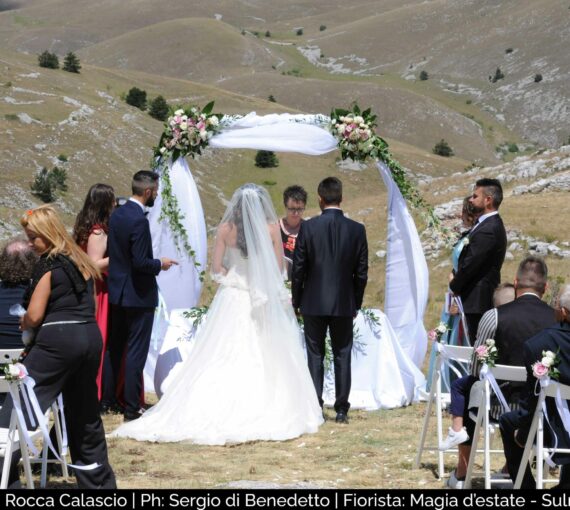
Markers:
point(130, 416)
point(111, 409)
point(341, 418)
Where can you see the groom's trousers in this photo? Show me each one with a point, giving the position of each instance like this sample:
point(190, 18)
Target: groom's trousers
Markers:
point(341, 341)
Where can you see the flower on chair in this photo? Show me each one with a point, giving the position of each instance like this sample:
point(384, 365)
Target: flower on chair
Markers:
point(546, 367)
point(435, 335)
point(15, 371)
point(487, 353)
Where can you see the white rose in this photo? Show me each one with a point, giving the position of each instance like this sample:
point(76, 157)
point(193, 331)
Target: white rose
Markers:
point(204, 134)
point(184, 118)
point(358, 119)
point(179, 112)
point(342, 119)
point(213, 121)
point(549, 354)
point(162, 150)
point(547, 362)
point(184, 125)
point(490, 342)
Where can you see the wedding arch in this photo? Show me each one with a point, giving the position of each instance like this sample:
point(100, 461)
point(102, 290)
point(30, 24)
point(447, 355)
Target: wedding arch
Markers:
point(178, 225)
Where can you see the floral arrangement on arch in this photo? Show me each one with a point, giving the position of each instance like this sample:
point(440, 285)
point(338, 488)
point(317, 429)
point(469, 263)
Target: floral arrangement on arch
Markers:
point(546, 367)
point(187, 131)
point(487, 353)
point(357, 139)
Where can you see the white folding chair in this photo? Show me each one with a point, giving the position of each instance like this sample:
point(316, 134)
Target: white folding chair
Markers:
point(539, 450)
point(11, 439)
point(484, 422)
point(453, 353)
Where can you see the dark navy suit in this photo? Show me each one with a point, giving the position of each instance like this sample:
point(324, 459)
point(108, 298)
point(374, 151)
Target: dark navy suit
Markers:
point(133, 295)
point(330, 270)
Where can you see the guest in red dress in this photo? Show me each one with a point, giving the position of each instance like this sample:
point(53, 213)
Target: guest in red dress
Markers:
point(90, 233)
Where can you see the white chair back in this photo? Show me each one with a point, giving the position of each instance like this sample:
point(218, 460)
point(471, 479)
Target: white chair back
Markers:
point(484, 423)
point(537, 448)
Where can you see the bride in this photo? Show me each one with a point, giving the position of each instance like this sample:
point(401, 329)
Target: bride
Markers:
point(247, 378)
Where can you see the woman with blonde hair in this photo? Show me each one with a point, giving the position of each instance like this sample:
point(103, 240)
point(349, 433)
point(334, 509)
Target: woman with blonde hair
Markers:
point(67, 350)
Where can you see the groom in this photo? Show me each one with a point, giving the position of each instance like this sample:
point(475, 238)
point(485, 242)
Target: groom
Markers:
point(330, 270)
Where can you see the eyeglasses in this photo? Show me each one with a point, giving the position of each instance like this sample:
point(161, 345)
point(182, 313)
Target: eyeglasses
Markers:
point(296, 210)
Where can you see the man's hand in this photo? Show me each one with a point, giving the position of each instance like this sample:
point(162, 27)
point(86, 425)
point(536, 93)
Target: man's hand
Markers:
point(166, 263)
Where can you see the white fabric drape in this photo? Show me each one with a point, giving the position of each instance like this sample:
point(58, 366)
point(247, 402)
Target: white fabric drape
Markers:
point(407, 278)
point(383, 376)
point(276, 132)
point(180, 286)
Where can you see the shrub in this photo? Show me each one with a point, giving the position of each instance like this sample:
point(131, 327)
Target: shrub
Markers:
point(271, 98)
point(469, 101)
point(137, 98)
point(508, 50)
point(266, 159)
point(322, 28)
point(269, 183)
point(158, 108)
point(442, 148)
point(513, 147)
point(498, 76)
point(71, 63)
point(47, 182)
point(48, 60)
point(268, 34)
point(299, 31)
point(537, 78)
point(424, 75)
point(62, 158)
point(243, 32)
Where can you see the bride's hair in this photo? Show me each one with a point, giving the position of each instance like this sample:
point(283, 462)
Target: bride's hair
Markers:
point(237, 221)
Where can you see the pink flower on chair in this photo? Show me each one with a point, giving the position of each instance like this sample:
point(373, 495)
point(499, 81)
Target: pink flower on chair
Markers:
point(539, 370)
point(481, 351)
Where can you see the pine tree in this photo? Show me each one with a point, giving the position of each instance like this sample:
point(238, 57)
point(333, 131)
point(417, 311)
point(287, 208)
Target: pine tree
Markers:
point(424, 75)
point(48, 60)
point(158, 108)
point(42, 187)
point(266, 159)
point(137, 97)
point(71, 63)
point(442, 148)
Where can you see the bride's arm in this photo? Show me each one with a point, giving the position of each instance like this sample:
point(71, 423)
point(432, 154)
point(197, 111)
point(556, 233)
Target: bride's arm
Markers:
point(219, 250)
point(275, 233)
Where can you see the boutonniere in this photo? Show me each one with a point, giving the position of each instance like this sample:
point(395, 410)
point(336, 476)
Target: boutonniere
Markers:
point(546, 367)
point(466, 241)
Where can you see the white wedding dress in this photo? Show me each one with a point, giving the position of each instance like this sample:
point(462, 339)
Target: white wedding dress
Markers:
point(247, 378)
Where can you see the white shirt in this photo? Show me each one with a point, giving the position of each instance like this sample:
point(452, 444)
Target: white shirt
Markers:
point(482, 218)
point(144, 209)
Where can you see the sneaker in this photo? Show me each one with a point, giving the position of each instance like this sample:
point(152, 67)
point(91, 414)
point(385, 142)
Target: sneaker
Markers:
point(455, 483)
point(453, 439)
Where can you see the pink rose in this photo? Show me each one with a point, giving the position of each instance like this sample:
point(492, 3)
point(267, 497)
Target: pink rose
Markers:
point(481, 351)
point(539, 370)
point(177, 119)
point(201, 125)
point(432, 335)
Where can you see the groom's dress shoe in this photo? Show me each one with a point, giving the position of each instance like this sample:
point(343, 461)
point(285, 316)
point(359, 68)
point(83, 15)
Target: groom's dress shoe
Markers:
point(341, 418)
point(130, 416)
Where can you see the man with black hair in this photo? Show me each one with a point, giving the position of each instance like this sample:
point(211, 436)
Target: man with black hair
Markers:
point(133, 293)
point(479, 270)
point(330, 270)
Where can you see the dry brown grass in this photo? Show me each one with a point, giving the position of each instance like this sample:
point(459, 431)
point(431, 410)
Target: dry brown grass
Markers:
point(376, 450)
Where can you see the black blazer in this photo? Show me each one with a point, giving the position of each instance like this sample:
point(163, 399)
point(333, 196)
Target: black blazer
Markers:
point(132, 268)
point(555, 339)
point(479, 269)
point(330, 265)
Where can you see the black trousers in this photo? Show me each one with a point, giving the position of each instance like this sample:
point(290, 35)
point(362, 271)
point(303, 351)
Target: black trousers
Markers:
point(65, 359)
point(131, 329)
point(473, 320)
point(341, 341)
